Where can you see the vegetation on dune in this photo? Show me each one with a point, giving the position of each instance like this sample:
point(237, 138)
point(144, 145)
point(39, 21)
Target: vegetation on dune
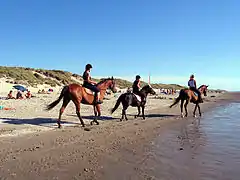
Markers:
point(30, 76)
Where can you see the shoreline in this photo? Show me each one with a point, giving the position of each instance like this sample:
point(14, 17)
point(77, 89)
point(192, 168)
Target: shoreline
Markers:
point(105, 152)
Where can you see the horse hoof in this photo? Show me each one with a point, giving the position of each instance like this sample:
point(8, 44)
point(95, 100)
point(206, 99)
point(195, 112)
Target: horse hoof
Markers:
point(91, 123)
point(135, 116)
point(120, 119)
point(200, 115)
point(97, 122)
point(194, 116)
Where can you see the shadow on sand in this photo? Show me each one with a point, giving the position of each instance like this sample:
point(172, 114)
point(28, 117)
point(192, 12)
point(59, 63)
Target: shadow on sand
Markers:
point(46, 122)
point(155, 115)
point(102, 118)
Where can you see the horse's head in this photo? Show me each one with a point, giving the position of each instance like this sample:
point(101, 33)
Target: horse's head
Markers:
point(203, 89)
point(148, 90)
point(108, 83)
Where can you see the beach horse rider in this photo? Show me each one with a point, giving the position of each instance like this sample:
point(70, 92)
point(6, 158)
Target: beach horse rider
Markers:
point(136, 88)
point(193, 86)
point(90, 84)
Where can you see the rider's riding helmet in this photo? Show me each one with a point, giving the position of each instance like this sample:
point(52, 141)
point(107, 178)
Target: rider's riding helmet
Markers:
point(138, 77)
point(192, 76)
point(88, 66)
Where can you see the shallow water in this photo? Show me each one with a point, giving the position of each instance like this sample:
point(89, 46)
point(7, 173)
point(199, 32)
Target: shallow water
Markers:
point(221, 156)
point(207, 149)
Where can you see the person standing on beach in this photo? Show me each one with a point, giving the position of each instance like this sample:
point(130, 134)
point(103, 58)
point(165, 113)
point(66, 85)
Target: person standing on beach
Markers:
point(193, 86)
point(136, 88)
point(88, 83)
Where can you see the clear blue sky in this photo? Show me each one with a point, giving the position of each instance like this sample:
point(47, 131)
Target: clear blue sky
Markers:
point(170, 38)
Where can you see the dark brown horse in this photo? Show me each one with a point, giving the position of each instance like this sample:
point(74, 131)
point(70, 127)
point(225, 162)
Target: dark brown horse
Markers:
point(189, 96)
point(129, 99)
point(78, 95)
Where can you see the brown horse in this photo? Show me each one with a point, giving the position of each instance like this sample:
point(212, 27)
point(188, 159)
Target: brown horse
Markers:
point(189, 96)
point(78, 95)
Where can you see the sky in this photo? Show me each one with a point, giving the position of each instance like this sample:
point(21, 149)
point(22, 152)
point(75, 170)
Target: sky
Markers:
point(122, 38)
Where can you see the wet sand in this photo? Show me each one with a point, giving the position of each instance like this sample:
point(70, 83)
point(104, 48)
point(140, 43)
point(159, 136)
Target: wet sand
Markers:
point(112, 150)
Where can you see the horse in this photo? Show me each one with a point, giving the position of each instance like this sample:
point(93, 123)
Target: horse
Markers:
point(78, 94)
point(190, 96)
point(130, 99)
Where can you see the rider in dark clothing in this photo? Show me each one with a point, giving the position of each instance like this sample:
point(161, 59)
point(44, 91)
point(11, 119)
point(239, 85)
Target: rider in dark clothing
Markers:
point(88, 83)
point(136, 88)
point(193, 86)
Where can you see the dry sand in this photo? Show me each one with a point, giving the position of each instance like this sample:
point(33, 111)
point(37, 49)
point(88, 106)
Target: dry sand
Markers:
point(33, 148)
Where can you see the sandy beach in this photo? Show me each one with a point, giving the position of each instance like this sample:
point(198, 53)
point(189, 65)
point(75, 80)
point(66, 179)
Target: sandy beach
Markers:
point(33, 148)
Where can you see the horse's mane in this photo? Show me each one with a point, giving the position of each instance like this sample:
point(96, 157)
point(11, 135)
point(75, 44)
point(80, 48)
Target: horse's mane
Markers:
point(103, 80)
point(146, 86)
point(201, 86)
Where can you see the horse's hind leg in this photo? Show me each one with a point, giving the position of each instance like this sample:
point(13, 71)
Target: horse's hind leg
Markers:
point(185, 107)
point(66, 100)
point(181, 106)
point(77, 104)
point(124, 113)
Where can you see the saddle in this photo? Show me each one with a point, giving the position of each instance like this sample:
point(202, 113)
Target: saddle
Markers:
point(195, 97)
point(138, 97)
point(88, 91)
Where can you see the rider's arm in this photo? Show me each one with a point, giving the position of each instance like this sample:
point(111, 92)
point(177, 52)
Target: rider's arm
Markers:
point(195, 83)
point(89, 79)
point(139, 85)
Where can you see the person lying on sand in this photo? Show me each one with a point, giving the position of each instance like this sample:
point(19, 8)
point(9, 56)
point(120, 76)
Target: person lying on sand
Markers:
point(10, 96)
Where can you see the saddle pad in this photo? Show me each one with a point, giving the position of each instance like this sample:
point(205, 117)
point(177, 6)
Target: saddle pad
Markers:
point(138, 97)
point(195, 94)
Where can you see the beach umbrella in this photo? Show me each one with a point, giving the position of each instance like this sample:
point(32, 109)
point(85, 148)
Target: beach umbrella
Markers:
point(20, 88)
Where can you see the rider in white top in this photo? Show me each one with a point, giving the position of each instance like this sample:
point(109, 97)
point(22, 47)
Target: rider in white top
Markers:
point(193, 86)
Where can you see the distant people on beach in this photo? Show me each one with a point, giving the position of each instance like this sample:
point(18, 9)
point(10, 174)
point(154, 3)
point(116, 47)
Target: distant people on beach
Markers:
point(44, 92)
point(28, 95)
point(168, 91)
point(19, 95)
point(10, 95)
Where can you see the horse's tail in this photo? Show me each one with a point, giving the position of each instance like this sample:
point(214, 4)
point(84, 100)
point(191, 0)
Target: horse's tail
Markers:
point(53, 104)
point(119, 100)
point(178, 98)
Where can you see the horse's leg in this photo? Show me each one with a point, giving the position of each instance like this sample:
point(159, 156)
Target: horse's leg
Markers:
point(125, 106)
point(97, 113)
point(194, 111)
point(125, 114)
point(66, 100)
point(139, 111)
point(199, 110)
point(143, 113)
point(77, 104)
point(95, 110)
point(185, 107)
point(181, 106)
